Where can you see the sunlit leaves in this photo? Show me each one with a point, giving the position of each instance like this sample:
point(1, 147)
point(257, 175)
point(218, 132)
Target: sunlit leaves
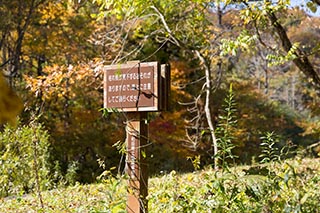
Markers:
point(59, 33)
point(62, 82)
point(312, 6)
point(279, 59)
point(245, 41)
point(181, 18)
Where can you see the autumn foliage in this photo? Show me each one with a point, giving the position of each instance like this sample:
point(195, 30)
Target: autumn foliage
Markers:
point(53, 52)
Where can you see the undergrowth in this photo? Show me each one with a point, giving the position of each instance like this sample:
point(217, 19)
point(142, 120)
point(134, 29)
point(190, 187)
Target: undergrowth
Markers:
point(286, 186)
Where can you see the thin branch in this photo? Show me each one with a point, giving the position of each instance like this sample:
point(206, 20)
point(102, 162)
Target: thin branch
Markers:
point(166, 26)
point(192, 82)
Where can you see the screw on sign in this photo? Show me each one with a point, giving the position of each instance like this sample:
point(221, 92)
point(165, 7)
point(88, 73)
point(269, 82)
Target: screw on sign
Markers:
point(10, 103)
point(137, 88)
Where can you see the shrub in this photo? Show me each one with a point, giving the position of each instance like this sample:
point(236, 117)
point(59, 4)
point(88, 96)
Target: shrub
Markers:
point(24, 164)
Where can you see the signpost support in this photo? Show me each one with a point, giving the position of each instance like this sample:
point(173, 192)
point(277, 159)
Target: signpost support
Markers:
point(136, 165)
point(137, 88)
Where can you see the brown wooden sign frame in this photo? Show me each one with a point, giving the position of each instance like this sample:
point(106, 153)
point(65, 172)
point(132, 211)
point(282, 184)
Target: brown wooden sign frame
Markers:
point(132, 87)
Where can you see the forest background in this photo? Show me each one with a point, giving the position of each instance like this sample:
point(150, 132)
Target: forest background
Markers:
point(52, 53)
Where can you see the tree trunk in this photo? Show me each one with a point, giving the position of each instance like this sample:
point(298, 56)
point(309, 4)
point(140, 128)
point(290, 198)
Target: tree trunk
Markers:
point(207, 108)
point(301, 60)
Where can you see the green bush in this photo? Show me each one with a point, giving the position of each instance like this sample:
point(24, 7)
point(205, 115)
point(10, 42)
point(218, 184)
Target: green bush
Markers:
point(24, 159)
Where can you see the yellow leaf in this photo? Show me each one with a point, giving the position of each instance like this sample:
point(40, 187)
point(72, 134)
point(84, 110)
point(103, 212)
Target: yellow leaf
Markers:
point(10, 103)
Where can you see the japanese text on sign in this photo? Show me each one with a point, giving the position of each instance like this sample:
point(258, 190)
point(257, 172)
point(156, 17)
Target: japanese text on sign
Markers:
point(131, 86)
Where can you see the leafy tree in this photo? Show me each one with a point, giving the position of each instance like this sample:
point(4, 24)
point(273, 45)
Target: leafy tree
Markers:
point(18, 18)
point(187, 26)
point(295, 33)
point(55, 35)
point(266, 16)
point(69, 104)
point(200, 32)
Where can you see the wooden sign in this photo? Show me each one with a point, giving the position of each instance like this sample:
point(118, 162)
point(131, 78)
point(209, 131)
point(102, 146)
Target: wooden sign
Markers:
point(132, 87)
point(137, 88)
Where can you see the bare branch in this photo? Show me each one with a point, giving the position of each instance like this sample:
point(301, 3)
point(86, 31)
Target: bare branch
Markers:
point(176, 42)
point(207, 106)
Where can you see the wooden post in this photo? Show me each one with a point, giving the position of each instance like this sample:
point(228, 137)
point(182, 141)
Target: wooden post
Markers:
point(137, 88)
point(137, 137)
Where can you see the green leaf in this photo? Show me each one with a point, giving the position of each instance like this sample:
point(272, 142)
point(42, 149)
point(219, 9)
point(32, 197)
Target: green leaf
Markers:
point(143, 154)
point(304, 198)
point(312, 6)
